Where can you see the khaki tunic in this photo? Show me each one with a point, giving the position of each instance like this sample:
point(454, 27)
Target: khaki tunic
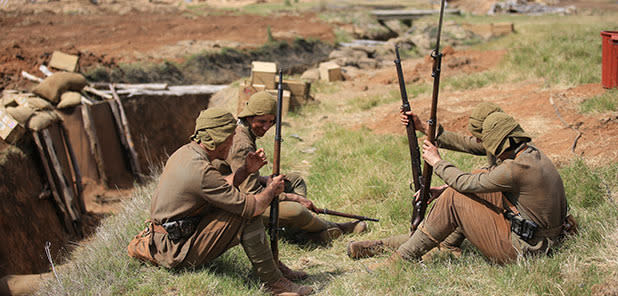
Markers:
point(190, 186)
point(467, 144)
point(244, 143)
point(292, 215)
point(530, 182)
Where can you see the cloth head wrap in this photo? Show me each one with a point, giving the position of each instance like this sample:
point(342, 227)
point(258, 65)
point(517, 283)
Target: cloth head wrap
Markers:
point(260, 103)
point(213, 126)
point(478, 115)
point(498, 127)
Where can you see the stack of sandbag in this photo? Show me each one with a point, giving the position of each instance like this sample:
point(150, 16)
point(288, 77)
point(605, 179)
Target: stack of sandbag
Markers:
point(62, 89)
point(35, 111)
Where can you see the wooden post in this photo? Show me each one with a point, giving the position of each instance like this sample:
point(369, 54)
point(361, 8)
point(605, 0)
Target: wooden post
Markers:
point(92, 138)
point(52, 184)
point(77, 176)
point(67, 194)
point(127, 140)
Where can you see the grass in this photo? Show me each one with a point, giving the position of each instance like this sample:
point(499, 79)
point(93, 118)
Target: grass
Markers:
point(602, 103)
point(372, 175)
point(359, 172)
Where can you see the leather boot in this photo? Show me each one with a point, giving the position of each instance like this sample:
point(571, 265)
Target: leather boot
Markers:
point(325, 236)
point(442, 249)
point(388, 263)
point(365, 249)
point(353, 227)
point(283, 286)
point(292, 275)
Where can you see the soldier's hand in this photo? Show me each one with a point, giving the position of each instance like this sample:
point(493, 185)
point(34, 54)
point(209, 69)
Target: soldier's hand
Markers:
point(435, 192)
point(276, 185)
point(255, 161)
point(302, 200)
point(430, 153)
point(419, 125)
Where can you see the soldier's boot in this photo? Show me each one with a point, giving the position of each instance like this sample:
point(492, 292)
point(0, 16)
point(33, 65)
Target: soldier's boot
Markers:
point(283, 286)
point(292, 275)
point(365, 249)
point(442, 249)
point(325, 236)
point(390, 262)
point(353, 227)
point(450, 245)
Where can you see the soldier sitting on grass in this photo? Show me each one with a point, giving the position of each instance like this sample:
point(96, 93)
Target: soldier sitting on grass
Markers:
point(196, 215)
point(517, 208)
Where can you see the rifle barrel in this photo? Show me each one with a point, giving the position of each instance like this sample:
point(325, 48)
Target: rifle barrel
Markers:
point(274, 204)
point(415, 155)
point(340, 214)
point(420, 206)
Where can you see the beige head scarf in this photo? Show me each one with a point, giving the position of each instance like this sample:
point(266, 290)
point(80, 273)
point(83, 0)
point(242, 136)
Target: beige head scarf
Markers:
point(498, 127)
point(213, 126)
point(478, 115)
point(260, 103)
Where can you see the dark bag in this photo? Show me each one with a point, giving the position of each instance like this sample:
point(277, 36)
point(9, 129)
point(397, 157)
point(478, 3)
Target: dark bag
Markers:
point(181, 228)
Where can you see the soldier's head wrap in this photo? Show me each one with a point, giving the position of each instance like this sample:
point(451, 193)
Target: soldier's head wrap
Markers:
point(500, 132)
point(260, 103)
point(213, 126)
point(478, 115)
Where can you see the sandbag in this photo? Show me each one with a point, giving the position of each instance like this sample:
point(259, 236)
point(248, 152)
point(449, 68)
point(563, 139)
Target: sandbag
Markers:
point(42, 119)
point(69, 99)
point(35, 103)
point(53, 86)
point(20, 113)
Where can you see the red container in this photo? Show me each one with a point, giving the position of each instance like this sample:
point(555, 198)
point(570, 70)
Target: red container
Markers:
point(610, 59)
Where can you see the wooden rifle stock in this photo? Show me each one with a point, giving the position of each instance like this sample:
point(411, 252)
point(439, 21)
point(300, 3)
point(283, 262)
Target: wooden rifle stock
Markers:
point(340, 214)
point(274, 204)
point(420, 205)
point(415, 155)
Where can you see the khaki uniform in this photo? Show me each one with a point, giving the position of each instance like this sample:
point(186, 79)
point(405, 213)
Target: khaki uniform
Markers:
point(292, 215)
point(530, 182)
point(191, 187)
point(467, 144)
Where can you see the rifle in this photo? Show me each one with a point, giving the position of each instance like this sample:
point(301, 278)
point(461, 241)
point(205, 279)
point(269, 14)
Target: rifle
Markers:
point(415, 155)
point(340, 214)
point(274, 204)
point(420, 206)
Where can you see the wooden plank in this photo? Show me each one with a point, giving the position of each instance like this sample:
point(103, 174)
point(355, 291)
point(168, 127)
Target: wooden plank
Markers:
point(405, 14)
point(64, 188)
point(92, 139)
point(52, 184)
point(76, 174)
point(125, 135)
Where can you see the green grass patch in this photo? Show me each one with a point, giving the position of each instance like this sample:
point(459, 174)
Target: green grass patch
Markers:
point(475, 80)
point(602, 103)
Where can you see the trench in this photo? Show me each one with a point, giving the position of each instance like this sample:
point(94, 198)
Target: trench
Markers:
point(222, 67)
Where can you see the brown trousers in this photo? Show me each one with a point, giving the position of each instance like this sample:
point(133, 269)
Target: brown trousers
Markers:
point(475, 216)
point(211, 242)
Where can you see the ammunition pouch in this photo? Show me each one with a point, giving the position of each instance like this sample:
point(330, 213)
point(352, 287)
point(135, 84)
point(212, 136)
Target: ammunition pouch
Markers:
point(524, 228)
point(181, 228)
